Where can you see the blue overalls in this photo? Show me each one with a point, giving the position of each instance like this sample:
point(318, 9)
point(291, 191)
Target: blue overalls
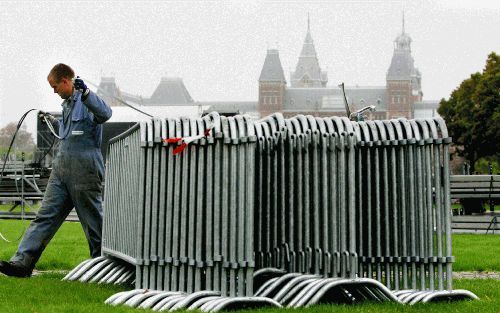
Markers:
point(75, 180)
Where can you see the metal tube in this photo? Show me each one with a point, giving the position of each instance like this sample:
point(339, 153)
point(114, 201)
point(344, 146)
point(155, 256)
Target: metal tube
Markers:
point(378, 233)
point(315, 201)
point(385, 202)
point(250, 183)
point(351, 205)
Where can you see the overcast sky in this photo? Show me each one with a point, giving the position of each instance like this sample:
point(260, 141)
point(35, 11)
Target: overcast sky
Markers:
point(218, 47)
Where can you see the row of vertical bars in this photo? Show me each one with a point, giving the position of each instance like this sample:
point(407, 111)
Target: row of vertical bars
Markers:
point(325, 196)
point(184, 220)
point(355, 199)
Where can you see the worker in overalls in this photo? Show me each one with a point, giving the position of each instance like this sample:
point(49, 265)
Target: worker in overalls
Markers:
point(77, 173)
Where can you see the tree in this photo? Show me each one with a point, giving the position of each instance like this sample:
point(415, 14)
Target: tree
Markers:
point(472, 113)
point(24, 140)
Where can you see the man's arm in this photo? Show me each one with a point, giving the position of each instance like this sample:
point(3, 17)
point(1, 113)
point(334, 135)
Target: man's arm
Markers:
point(102, 112)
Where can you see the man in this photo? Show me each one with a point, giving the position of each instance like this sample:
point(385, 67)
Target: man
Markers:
point(77, 173)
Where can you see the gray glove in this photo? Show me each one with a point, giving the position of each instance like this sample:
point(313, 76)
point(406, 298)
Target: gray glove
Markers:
point(42, 115)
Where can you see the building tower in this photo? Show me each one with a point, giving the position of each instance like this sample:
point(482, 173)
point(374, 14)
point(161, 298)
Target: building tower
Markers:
point(108, 90)
point(272, 84)
point(307, 72)
point(403, 79)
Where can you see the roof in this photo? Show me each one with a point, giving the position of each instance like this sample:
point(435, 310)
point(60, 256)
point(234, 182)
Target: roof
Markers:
point(331, 98)
point(402, 66)
point(272, 69)
point(231, 106)
point(171, 90)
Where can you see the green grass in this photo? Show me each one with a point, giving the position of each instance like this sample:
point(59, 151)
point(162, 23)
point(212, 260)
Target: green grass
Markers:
point(27, 208)
point(47, 293)
point(476, 252)
point(487, 290)
point(67, 249)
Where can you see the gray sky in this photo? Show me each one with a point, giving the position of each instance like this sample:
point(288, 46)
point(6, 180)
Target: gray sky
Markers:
point(218, 47)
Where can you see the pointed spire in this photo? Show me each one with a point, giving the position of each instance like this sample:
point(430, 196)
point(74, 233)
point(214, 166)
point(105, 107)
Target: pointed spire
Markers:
point(402, 64)
point(308, 49)
point(308, 72)
point(308, 23)
point(403, 21)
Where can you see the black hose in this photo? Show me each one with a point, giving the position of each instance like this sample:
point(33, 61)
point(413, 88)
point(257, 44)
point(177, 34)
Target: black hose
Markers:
point(46, 152)
point(21, 120)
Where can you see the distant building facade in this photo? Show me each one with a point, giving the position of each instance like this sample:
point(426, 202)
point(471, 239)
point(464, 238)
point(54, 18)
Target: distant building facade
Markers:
point(170, 91)
point(308, 92)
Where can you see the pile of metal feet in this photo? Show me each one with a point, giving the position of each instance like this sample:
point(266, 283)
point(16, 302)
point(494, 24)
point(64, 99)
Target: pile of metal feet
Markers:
point(280, 212)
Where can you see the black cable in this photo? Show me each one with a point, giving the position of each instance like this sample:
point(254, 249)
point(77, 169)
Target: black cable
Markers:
point(46, 152)
point(118, 99)
point(19, 124)
point(21, 120)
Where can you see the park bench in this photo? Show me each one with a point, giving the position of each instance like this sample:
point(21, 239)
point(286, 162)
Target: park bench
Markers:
point(477, 224)
point(475, 189)
point(475, 186)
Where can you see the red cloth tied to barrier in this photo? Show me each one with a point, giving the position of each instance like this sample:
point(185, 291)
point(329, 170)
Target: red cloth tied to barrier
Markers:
point(185, 141)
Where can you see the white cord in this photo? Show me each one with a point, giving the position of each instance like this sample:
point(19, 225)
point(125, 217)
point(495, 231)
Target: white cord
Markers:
point(51, 127)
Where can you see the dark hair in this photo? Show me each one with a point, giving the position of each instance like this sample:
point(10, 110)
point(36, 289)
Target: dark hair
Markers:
point(60, 71)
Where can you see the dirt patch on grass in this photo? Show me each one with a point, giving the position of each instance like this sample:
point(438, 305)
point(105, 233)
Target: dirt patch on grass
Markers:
point(477, 275)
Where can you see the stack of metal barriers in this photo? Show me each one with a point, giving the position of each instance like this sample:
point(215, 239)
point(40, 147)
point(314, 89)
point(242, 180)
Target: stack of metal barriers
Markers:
point(283, 212)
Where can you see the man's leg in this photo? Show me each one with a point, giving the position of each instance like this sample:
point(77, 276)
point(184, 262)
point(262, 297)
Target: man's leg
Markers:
point(88, 205)
point(56, 206)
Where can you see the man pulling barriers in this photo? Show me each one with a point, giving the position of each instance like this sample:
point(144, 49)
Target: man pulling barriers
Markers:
point(77, 172)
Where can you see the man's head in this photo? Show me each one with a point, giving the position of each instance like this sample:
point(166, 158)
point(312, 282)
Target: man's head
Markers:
point(60, 79)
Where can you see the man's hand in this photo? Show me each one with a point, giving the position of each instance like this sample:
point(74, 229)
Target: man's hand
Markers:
point(42, 115)
point(79, 84)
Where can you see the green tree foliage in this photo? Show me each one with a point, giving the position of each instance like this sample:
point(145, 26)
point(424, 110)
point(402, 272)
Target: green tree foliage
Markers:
point(472, 113)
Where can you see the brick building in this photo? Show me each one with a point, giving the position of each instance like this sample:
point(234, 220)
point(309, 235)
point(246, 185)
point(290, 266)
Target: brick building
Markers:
point(308, 92)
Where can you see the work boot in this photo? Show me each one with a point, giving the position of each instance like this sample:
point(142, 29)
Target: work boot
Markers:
point(14, 269)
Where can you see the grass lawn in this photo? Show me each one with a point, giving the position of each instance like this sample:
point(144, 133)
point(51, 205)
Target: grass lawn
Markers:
point(476, 252)
point(28, 208)
point(47, 293)
point(67, 249)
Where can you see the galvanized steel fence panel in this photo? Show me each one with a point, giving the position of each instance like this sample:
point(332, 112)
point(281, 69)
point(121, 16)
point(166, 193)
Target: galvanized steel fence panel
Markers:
point(323, 196)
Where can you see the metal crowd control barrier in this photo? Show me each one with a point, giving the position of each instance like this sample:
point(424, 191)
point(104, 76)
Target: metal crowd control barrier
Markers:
point(283, 212)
